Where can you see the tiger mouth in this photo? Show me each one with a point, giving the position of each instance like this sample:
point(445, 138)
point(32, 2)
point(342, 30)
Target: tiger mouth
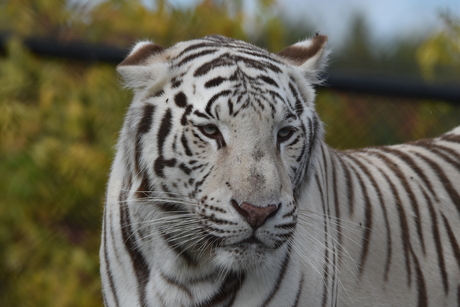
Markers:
point(251, 240)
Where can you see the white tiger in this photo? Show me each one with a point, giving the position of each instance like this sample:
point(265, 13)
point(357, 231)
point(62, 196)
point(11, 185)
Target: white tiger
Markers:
point(223, 193)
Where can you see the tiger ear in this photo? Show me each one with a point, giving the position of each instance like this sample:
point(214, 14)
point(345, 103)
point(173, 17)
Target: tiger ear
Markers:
point(145, 63)
point(309, 55)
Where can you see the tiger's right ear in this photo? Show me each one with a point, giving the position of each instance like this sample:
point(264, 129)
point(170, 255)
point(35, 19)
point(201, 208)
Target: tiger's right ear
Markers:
point(145, 63)
point(310, 56)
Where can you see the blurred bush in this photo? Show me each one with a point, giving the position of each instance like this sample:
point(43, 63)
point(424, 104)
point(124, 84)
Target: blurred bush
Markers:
point(439, 55)
point(59, 121)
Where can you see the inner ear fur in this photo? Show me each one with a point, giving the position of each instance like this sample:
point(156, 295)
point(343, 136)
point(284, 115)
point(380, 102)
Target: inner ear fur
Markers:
point(310, 54)
point(140, 53)
point(144, 64)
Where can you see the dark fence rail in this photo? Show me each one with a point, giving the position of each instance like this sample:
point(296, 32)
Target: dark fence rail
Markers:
point(359, 83)
point(393, 86)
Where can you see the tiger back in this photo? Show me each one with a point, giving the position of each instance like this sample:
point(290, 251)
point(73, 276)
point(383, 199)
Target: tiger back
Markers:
point(223, 193)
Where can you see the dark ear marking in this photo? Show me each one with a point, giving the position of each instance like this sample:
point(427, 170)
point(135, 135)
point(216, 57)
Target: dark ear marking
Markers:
point(139, 56)
point(299, 54)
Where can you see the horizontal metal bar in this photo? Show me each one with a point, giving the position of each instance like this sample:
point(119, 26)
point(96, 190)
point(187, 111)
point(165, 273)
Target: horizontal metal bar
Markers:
point(393, 86)
point(73, 50)
point(343, 81)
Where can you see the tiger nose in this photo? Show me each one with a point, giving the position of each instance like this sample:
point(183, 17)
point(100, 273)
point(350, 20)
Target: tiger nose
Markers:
point(254, 215)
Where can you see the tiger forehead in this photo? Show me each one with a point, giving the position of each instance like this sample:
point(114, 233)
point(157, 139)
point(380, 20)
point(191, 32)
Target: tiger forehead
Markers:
point(203, 56)
point(231, 75)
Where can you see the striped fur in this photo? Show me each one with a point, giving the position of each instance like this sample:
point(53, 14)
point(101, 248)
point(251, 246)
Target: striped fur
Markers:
point(222, 192)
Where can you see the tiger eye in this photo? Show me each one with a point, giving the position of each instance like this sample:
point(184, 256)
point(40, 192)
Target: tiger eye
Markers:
point(285, 133)
point(209, 130)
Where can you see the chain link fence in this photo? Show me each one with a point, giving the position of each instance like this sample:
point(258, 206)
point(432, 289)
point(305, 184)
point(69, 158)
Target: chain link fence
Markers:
point(354, 120)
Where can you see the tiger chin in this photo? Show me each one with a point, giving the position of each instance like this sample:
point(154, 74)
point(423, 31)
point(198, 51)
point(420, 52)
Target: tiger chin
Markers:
point(223, 192)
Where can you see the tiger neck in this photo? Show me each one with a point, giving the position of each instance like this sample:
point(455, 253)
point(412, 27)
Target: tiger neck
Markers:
point(195, 281)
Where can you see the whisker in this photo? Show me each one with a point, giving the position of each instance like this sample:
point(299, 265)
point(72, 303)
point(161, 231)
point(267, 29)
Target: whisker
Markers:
point(306, 212)
point(322, 230)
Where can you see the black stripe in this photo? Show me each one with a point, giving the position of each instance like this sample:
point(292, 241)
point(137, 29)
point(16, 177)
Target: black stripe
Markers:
point(453, 242)
point(175, 83)
point(214, 98)
point(143, 127)
point(165, 128)
point(199, 183)
point(258, 53)
point(453, 193)
point(437, 243)
point(445, 152)
point(230, 106)
point(108, 270)
point(279, 279)
point(174, 145)
point(326, 248)
point(299, 291)
point(174, 246)
point(314, 136)
point(227, 292)
point(180, 99)
point(194, 47)
point(458, 296)
point(104, 299)
point(440, 152)
point(276, 95)
point(258, 64)
point(422, 299)
point(450, 137)
point(140, 266)
point(184, 142)
point(404, 227)
point(413, 202)
point(384, 210)
point(177, 284)
point(326, 173)
point(184, 118)
point(269, 80)
point(367, 222)
point(336, 201)
point(294, 141)
point(145, 188)
point(411, 163)
point(214, 82)
point(199, 114)
point(224, 60)
point(350, 190)
point(158, 93)
point(195, 56)
point(185, 169)
point(160, 163)
point(299, 108)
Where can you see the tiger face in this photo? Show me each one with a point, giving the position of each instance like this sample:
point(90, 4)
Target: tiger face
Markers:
point(222, 142)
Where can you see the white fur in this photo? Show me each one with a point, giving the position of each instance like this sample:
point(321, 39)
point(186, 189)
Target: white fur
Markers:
point(319, 269)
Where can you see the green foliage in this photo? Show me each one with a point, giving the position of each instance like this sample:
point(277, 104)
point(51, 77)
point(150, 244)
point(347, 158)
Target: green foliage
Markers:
point(355, 121)
point(59, 121)
point(440, 55)
point(123, 22)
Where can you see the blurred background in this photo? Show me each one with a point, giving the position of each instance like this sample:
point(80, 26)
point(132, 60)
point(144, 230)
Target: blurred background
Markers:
point(394, 76)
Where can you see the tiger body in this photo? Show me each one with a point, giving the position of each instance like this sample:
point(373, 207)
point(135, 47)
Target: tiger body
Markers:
point(223, 193)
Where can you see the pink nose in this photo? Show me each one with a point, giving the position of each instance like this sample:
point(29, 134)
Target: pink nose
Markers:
point(255, 216)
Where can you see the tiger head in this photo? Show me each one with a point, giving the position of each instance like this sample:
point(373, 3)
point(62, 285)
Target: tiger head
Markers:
point(218, 141)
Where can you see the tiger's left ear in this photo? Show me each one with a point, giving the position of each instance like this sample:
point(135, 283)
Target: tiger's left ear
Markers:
point(144, 65)
point(309, 55)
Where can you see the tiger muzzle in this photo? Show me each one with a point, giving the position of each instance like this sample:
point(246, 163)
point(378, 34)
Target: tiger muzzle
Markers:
point(255, 215)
